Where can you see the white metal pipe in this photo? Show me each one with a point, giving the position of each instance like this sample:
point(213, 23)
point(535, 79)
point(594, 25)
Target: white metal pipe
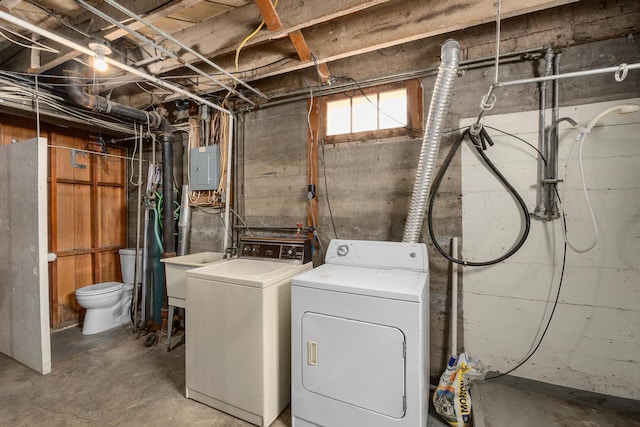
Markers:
point(164, 50)
point(185, 47)
point(184, 222)
point(80, 48)
point(454, 298)
point(572, 74)
point(137, 266)
point(618, 68)
point(541, 191)
point(227, 194)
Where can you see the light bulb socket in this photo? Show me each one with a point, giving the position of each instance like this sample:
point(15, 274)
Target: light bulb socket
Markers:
point(101, 48)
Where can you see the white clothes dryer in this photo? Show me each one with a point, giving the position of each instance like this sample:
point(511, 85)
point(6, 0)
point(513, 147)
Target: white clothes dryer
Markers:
point(360, 338)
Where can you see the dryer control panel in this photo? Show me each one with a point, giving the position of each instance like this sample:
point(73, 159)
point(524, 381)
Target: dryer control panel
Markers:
point(297, 251)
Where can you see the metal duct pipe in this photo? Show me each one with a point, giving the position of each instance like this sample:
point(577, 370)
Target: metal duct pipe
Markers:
point(168, 195)
point(450, 58)
point(551, 206)
point(541, 195)
point(101, 104)
point(152, 119)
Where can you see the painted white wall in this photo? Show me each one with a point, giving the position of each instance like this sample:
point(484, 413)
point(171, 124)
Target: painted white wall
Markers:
point(593, 342)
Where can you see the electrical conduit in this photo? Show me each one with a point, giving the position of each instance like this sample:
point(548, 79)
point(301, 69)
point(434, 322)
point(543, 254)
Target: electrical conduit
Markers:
point(450, 54)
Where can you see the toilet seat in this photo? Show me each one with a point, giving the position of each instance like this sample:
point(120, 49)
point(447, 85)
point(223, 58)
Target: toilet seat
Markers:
point(100, 289)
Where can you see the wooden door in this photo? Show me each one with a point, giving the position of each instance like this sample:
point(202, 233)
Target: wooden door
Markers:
point(88, 220)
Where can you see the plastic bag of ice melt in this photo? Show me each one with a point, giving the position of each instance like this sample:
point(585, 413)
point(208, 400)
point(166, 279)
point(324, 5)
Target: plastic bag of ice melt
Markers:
point(452, 399)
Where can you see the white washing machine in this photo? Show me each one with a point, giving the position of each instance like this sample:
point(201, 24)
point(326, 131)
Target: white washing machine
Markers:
point(238, 336)
point(360, 337)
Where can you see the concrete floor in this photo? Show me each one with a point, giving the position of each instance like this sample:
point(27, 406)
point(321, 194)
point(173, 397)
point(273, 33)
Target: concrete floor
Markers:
point(113, 379)
point(107, 379)
point(498, 404)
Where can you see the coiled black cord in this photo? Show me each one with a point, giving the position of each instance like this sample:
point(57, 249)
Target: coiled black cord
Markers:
point(480, 142)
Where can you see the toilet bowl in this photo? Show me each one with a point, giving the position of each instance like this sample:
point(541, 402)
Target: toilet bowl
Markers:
point(108, 304)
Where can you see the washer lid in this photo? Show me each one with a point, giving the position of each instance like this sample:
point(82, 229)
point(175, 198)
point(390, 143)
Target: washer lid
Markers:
point(100, 288)
point(248, 272)
point(405, 285)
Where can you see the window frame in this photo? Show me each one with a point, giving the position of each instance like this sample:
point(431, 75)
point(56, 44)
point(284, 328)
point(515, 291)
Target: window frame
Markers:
point(415, 114)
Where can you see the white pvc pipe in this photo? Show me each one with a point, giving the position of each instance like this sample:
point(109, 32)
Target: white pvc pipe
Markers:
point(227, 191)
point(454, 298)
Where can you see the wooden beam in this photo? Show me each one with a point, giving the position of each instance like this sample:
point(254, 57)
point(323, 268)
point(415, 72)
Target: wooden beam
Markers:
point(8, 4)
point(301, 46)
point(560, 27)
point(116, 33)
point(390, 24)
point(271, 19)
point(222, 34)
point(269, 14)
point(152, 17)
point(305, 55)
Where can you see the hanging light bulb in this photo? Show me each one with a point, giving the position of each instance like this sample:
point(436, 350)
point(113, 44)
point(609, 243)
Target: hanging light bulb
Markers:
point(101, 49)
point(99, 63)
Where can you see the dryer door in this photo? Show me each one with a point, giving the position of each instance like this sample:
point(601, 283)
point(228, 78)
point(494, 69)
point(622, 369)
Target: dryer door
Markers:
point(357, 363)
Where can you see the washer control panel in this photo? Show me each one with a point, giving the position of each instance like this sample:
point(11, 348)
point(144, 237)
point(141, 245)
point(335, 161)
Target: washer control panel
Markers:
point(297, 251)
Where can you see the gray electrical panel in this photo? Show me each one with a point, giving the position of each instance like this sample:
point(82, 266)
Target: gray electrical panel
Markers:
point(205, 168)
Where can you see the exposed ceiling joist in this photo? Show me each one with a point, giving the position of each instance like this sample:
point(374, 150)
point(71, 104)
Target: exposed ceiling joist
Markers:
point(386, 25)
point(8, 4)
point(272, 20)
point(116, 33)
point(221, 35)
point(301, 35)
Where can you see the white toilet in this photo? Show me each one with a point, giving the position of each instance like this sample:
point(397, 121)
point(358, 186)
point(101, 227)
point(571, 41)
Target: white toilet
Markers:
point(108, 304)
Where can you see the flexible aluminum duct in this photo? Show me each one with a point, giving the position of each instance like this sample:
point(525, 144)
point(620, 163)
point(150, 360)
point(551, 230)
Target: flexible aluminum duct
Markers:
point(450, 58)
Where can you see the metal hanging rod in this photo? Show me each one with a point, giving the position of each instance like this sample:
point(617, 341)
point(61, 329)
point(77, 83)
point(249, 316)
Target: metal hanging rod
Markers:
point(185, 47)
point(80, 48)
point(622, 68)
point(619, 70)
point(162, 49)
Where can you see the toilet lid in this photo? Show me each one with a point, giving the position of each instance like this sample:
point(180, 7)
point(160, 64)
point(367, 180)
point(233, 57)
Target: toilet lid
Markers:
point(100, 288)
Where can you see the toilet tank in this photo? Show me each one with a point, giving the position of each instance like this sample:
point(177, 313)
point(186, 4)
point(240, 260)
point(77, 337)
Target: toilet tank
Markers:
point(128, 264)
point(175, 272)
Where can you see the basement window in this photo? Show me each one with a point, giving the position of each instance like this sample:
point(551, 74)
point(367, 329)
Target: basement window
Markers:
point(373, 113)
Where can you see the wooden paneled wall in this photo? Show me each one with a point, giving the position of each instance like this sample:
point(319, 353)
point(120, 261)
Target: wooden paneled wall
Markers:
point(87, 212)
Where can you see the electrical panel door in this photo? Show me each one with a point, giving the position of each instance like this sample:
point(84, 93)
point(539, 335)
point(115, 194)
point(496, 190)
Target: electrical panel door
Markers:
point(205, 168)
point(357, 363)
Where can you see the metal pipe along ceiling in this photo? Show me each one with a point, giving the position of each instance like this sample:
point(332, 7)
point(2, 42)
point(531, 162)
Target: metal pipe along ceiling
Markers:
point(183, 46)
point(152, 119)
point(80, 48)
point(149, 42)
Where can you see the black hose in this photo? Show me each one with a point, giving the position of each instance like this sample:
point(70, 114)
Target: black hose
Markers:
point(480, 143)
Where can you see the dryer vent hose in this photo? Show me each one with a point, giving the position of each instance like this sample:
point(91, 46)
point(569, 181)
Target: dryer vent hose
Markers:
point(447, 71)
